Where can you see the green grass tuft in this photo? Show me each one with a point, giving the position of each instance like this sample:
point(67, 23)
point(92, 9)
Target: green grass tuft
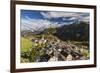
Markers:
point(26, 44)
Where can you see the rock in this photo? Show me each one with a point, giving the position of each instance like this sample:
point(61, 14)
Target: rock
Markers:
point(69, 57)
point(53, 59)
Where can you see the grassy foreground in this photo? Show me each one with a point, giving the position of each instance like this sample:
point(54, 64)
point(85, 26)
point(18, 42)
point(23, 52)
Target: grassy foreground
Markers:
point(26, 44)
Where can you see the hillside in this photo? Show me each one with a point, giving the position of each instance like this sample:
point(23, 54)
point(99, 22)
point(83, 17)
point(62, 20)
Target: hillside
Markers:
point(78, 32)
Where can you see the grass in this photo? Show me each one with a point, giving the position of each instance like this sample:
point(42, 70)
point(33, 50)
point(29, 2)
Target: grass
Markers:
point(26, 44)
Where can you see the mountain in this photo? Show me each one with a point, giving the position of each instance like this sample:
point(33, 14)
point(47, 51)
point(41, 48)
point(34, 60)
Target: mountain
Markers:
point(74, 31)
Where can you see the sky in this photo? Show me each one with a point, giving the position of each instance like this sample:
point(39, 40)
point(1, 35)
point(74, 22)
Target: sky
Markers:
point(35, 20)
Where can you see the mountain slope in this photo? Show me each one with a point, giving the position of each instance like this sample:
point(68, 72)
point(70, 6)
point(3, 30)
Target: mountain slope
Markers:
point(74, 32)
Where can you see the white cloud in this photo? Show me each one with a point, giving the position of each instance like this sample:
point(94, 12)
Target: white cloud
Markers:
point(55, 14)
point(40, 24)
point(46, 15)
point(73, 15)
point(72, 18)
point(85, 19)
point(64, 19)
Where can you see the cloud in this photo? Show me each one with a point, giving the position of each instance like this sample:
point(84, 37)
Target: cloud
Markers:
point(72, 18)
point(55, 14)
point(45, 14)
point(72, 15)
point(28, 23)
point(64, 19)
point(86, 19)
